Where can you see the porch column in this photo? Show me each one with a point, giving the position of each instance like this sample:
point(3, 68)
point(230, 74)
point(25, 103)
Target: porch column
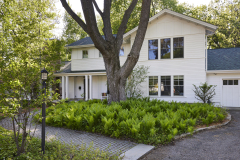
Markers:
point(86, 87)
point(90, 86)
point(63, 87)
point(67, 81)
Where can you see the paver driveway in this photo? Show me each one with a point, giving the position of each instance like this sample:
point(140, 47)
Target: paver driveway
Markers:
point(217, 144)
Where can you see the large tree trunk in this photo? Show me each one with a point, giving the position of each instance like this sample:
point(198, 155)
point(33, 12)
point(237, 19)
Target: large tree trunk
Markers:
point(109, 45)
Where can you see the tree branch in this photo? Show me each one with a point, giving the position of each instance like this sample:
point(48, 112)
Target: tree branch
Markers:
point(137, 45)
point(74, 15)
point(97, 8)
point(89, 14)
point(122, 28)
point(107, 30)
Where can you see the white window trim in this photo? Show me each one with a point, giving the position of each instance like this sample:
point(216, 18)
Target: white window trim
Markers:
point(82, 54)
point(183, 46)
point(172, 85)
point(183, 85)
point(148, 86)
point(160, 95)
point(171, 47)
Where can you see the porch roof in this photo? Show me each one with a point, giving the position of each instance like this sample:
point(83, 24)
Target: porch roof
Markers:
point(66, 70)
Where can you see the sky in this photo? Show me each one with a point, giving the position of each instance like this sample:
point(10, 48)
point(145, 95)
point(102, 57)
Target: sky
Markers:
point(76, 6)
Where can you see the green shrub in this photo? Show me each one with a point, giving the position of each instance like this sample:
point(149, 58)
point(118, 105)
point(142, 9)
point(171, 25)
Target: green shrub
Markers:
point(142, 120)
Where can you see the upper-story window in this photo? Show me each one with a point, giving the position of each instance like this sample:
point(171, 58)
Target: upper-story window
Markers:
point(166, 48)
point(153, 49)
point(100, 54)
point(178, 47)
point(121, 52)
point(85, 54)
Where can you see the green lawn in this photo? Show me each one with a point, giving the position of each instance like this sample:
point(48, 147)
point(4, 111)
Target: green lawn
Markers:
point(141, 120)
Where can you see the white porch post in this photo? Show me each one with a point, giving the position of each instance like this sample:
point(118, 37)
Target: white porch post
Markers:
point(63, 87)
point(90, 86)
point(86, 87)
point(67, 81)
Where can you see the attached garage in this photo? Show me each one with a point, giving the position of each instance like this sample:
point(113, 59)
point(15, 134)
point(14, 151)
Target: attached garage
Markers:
point(231, 93)
point(223, 70)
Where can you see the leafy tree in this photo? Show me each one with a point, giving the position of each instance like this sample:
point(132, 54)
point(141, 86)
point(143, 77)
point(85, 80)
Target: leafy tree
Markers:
point(71, 32)
point(225, 15)
point(204, 92)
point(138, 76)
point(110, 45)
point(26, 49)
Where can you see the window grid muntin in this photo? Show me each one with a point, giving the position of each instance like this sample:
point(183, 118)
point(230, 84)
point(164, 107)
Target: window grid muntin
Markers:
point(121, 51)
point(165, 45)
point(230, 82)
point(165, 85)
point(177, 44)
point(178, 82)
point(154, 85)
point(154, 42)
point(85, 54)
point(100, 54)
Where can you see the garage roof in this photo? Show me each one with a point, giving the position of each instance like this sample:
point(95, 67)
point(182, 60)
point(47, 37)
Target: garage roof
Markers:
point(224, 59)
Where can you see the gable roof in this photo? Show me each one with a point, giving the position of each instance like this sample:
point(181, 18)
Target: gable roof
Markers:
point(223, 59)
point(209, 27)
point(86, 42)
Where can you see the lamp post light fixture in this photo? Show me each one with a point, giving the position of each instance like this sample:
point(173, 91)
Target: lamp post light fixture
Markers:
point(44, 75)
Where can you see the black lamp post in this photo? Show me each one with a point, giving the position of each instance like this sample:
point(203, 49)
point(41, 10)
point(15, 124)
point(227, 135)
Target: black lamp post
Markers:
point(44, 75)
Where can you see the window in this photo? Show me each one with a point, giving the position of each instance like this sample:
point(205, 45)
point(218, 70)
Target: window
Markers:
point(153, 85)
point(230, 82)
point(178, 85)
point(165, 85)
point(85, 54)
point(152, 49)
point(165, 48)
point(100, 54)
point(178, 44)
point(121, 52)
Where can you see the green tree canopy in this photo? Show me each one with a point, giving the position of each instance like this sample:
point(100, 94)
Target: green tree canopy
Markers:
point(26, 48)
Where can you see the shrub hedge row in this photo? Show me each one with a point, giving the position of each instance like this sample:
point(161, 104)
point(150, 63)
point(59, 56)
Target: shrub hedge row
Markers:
point(142, 120)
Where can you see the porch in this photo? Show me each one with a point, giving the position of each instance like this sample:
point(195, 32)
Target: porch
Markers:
point(85, 87)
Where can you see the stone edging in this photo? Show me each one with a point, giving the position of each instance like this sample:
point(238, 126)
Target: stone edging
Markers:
point(228, 118)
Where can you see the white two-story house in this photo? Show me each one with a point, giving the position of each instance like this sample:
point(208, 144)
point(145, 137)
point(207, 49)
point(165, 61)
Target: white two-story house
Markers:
point(174, 48)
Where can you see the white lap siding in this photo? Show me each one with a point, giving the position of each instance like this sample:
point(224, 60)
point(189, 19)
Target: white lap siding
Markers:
point(192, 70)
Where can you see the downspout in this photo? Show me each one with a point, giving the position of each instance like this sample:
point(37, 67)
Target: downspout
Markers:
point(206, 57)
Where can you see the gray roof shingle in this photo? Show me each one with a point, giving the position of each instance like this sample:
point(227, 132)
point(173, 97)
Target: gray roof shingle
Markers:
point(224, 59)
point(66, 68)
point(84, 41)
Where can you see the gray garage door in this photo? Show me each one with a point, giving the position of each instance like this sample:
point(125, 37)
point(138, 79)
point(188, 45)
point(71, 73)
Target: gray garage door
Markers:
point(231, 93)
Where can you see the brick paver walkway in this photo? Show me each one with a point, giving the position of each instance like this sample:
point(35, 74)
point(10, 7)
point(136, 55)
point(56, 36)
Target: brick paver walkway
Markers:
point(77, 137)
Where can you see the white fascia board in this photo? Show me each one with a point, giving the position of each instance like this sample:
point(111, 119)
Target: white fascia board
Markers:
point(181, 16)
point(223, 71)
point(81, 46)
point(79, 74)
point(92, 45)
